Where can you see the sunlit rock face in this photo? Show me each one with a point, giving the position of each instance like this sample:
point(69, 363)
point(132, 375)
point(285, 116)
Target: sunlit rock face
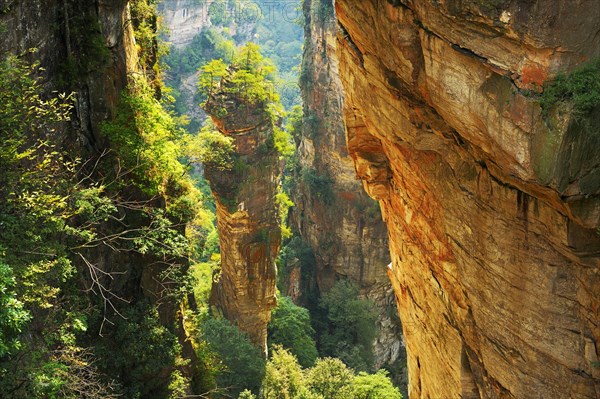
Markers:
point(341, 224)
point(492, 210)
point(247, 218)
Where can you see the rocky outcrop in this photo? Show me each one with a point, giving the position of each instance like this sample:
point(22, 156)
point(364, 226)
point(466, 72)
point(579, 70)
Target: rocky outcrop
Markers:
point(247, 216)
point(492, 209)
point(341, 224)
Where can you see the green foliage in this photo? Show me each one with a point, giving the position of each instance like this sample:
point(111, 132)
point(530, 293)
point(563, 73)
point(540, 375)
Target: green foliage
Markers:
point(13, 316)
point(283, 142)
point(326, 10)
point(293, 251)
point(144, 16)
point(246, 394)
point(209, 44)
point(290, 327)
point(294, 122)
point(146, 137)
point(218, 12)
point(202, 273)
point(242, 364)
point(284, 203)
point(331, 378)
point(34, 197)
point(211, 74)
point(348, 326)
point(250, 77)
point(581, 88)
point(210, 148)
point(283, 378)
point(320, 185)
point(88, 50)
point(54, 218)
point(141, 353)
point(374, 386)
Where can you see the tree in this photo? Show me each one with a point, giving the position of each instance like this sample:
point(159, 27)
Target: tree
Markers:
point(331, 379)
point(283, 377)
point(350, 326)
point(250, 77)
point(290, 327)
point(211, 74)
point(374, 386)
point(243, 366)
point(141, 354)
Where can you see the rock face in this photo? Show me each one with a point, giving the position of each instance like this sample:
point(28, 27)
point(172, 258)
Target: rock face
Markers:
point(247, 216)
point(50, 26)
point(491, 208)
point(184, 19)
point(341, 224)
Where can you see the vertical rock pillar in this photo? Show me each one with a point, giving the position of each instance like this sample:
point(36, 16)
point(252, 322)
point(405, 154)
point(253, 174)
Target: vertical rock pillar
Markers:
point(247, 217)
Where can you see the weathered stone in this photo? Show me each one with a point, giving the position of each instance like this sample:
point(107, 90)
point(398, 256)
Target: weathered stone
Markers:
point(247, 217)
point(490, 212)
point(345, 232)
point(185, 19)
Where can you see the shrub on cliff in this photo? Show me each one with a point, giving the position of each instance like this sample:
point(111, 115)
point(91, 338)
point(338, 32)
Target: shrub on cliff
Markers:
point(581, 88)
point(250, 77)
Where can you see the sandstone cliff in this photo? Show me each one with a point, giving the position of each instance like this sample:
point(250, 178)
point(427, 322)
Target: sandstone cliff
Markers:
point(247, 217)
point(492, 209)
point(340, 222)
point(89, 48)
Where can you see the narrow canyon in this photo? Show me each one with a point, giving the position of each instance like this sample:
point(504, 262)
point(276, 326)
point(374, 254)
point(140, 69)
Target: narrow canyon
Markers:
point(317, 199)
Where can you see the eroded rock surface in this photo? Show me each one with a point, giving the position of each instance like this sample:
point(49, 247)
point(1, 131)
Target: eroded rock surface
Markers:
point(492, 210)
point(247, 217)
point(341, 224)
point(184, 19)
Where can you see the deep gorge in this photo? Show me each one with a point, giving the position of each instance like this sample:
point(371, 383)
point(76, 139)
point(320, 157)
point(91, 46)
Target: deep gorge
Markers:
point(402, 196)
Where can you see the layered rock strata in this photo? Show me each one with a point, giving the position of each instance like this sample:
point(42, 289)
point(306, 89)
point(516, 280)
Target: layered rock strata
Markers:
point(341, 224)
point(492, 208)
point(247, 215)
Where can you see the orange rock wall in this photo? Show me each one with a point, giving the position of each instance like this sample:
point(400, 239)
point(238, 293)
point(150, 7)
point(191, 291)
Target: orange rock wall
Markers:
point(492, 210)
